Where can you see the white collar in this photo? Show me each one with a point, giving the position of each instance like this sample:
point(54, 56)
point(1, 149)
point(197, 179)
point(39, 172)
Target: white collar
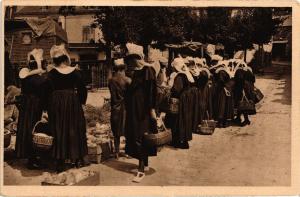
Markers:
point(65, 70)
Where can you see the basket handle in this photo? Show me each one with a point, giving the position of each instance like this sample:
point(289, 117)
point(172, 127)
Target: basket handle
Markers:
point(164, 126)
point(244, 96)
point(40, 121)
point(207, 114)
point(35, 126)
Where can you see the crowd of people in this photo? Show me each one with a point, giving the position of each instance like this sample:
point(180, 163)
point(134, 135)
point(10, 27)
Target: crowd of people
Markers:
point(143, 96)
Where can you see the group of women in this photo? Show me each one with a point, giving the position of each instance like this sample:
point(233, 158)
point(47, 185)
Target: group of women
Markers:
point(144, 95)
point(141, 95)
point(207, 92)
point(60, 91)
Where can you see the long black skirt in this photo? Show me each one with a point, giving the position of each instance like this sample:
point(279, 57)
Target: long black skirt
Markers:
point(117, 120)
point(67, 125)
point(30, 112)
point(223, 105)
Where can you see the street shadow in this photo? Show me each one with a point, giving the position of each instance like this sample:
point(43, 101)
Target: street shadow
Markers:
point(285, 94)
point(125, 167)
point(21, 165)
point(276, 72)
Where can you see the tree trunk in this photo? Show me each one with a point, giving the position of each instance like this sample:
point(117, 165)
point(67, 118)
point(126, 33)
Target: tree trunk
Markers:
point(170, 58)
point(146, 51)
point(202, 52)
point(108, 60)
point(260, 60)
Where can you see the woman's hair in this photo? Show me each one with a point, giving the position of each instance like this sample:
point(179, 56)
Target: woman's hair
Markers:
point(249, 76)
point(239, 79)
point(239, 74)
point(44, 64)
point(203, 78)
point(119, 68)
point(32, 64)
point(59, 60)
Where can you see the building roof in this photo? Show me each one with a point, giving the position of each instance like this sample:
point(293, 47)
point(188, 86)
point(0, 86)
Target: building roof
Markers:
point(287, 21)
point(38, 11)
point(40, 27)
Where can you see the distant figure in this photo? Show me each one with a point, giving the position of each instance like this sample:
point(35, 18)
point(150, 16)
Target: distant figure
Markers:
point(118, 85)
point(66, 95)
point(9, 78)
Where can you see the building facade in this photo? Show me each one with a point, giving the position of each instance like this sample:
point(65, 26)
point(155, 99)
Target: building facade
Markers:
point(84, 42)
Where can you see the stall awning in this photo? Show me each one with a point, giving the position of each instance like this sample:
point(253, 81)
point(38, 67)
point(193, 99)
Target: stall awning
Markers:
point(194, 46)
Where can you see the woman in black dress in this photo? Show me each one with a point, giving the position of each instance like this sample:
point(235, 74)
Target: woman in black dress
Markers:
point(194, 93)
point(181, 122)
point(67, 93)
point(205, 96)
point(140, 109)
point(223, 103)
point(244, 86)
point(31, 107)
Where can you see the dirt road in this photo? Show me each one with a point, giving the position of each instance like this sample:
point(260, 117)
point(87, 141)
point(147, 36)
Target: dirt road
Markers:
point(255, 155)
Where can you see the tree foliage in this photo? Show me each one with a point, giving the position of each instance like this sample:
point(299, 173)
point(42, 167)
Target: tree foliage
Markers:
point(235, 28)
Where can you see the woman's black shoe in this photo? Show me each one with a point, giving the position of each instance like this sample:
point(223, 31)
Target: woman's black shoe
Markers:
point(183, 145)
point(246, 122)
point(60, 166)
point(220, 125)
point(33, 166)
point(225, 124)
point(79, 164)
point(237, 121)
point(174, 144)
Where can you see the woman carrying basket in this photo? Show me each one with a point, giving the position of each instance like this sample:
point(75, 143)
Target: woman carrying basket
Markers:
point(180, 118)
point(67, 93)
point(140, 109)
point(205, 96)
point(31, 106)
point(244, 89)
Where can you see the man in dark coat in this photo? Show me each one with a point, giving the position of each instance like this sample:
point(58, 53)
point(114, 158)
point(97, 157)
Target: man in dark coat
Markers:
point(117, 87)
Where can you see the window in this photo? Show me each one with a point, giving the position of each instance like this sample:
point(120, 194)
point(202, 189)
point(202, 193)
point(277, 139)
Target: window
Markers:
point(88, 34)
point(44, 8)
point(26, 37)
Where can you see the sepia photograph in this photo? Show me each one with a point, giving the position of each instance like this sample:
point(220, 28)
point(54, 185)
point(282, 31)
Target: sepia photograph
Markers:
point(147, 95)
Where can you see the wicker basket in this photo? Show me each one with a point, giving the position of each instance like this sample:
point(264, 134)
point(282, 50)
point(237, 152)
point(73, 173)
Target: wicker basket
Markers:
point(207, 127)
point(7, 138)
point(40, 140)
point(206, 130)
point(158, 139)
point(174, 105)
point(210, 123)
